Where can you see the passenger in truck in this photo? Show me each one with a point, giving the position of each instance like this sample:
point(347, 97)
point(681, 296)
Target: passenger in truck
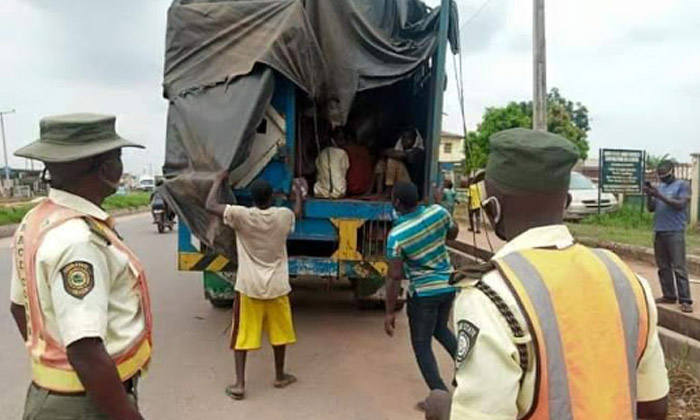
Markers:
point(404, 163)
point(361, 171)
point(332, 166)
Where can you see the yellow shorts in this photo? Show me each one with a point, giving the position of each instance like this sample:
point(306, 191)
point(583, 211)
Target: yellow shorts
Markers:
point(251, 316)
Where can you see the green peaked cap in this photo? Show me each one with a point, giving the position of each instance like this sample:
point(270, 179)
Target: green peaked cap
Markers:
point(527, 160)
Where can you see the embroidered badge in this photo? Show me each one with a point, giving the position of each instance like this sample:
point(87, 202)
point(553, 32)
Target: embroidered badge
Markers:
point(78, 278)
point(466, 338)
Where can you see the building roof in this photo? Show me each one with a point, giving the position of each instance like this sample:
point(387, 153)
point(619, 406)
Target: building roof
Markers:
point(447, 134)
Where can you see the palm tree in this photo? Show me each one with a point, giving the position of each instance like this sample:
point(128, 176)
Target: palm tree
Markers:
point(653, 161)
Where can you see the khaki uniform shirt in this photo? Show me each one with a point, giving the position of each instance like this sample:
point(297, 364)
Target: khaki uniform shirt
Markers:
point(111, 310)
point(261, 240)
point(489, 378)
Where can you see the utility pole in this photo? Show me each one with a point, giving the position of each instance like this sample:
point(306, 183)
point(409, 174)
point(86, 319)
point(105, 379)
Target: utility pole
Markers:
point(539, 44)
point(4, 142)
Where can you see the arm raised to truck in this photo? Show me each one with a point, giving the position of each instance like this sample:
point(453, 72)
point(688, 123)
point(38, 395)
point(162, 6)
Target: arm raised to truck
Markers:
point(213, 205)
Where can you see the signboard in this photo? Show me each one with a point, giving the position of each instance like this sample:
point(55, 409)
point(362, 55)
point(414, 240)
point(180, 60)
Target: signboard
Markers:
point(621, 171)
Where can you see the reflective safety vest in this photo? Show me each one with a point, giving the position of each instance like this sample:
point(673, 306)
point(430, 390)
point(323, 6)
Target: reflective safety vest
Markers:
point(50, 366)
point(588, 317)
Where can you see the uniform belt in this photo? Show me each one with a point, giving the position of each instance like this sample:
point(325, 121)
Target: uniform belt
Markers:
point(129, 386)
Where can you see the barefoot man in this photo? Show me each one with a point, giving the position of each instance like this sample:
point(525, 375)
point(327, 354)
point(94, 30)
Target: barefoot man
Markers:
point(262, 282)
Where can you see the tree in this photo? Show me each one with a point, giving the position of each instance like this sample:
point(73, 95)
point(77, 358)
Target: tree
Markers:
point(564, 117)
point(653, 161)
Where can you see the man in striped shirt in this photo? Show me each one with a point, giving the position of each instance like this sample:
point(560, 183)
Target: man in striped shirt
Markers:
point(416, 250)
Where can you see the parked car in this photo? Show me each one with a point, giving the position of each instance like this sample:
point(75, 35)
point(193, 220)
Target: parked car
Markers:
point(147, 183)
point(584, 198)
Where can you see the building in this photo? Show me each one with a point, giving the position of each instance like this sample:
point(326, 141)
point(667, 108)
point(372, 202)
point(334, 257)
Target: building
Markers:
point(451, 154)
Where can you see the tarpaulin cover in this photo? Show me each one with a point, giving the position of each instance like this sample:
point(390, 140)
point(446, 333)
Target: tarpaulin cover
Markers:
point(218, 79)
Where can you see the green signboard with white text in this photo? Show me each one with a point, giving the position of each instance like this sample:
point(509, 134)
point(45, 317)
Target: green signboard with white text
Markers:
point(621, 171)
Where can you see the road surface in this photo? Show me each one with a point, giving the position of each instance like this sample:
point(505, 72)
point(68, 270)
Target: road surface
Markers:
point(347, 367)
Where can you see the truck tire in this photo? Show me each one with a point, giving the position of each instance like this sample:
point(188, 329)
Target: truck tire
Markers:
point(221, 303)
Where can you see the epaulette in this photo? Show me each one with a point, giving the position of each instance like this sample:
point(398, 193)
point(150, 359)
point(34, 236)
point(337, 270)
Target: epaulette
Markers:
point(471, 272)
point(97, 229)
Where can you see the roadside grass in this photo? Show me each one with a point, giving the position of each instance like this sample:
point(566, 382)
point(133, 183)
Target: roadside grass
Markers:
point(627, 226)
point(13, 214)
point(684, 398)
point(129, 201)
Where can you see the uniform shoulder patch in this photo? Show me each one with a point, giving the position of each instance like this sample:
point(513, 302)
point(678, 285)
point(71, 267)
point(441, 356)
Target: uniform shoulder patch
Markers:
point(78, 278)
point(467, 334)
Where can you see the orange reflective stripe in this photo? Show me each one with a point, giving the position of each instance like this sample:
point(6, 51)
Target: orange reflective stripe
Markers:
point(580, 305)
point(551, 341)
point(67, 380)
point(50, 365)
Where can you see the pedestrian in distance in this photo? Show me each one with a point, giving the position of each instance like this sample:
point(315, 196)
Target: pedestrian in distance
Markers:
point(449, 196)
point(550, 329)
point(262, 280)
point(669, 203)
point(417, 251)
point(79, 294)
point(475, 197)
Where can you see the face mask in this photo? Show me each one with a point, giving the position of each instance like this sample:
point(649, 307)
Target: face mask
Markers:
point(492, 208)
point(394, 214)
point(109, 169)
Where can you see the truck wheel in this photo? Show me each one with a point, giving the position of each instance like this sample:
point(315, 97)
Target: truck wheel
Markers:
point(368, 304)
point(221, 303)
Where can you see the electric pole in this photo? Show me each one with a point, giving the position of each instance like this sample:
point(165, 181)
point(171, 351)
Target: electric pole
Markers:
point(539, 44)
point(4, 142)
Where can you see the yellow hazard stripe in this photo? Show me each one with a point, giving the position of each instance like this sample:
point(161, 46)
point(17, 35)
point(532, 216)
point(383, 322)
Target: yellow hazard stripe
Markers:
point(195, 261)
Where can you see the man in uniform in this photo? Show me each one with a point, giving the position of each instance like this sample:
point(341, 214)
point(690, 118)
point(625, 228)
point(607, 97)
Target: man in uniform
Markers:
point(549, 329)
point(79, 295)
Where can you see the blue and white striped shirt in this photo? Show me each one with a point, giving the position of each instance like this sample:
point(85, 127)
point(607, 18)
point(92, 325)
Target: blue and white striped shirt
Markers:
point(418, 238)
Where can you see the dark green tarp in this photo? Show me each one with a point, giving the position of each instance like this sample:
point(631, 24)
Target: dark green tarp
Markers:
point(218, 80)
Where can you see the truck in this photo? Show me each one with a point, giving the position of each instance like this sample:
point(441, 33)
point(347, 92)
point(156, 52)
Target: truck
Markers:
point(265, 115)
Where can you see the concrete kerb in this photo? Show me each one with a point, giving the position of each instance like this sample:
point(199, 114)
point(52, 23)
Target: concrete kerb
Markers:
point(680, 347)
point(639, 253)
point(8, 230)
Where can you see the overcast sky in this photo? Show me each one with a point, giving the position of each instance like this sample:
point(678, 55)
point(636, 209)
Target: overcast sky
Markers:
point(634, 63)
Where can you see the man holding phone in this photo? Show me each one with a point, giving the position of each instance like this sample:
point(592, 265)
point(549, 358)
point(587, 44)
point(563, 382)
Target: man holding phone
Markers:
point(669, 202)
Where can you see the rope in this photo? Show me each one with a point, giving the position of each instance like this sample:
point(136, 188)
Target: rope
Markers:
point(513, 323)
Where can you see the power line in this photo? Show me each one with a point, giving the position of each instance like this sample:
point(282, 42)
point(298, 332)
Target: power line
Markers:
point(476, 14)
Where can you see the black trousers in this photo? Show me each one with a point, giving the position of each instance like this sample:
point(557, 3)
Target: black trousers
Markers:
point(428, 318)
point(669, 249)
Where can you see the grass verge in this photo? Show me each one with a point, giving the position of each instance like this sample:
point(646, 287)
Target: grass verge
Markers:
point(684, 398)
point(14, 214)
point(627, 226)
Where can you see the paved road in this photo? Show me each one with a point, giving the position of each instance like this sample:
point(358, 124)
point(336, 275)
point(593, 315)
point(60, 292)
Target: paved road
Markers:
point(348, 368)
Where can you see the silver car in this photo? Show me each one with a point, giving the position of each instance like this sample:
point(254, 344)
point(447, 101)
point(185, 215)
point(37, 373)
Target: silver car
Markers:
point(584, 198)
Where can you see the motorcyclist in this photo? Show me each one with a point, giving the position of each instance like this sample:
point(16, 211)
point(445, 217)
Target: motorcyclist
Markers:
point(159, 203)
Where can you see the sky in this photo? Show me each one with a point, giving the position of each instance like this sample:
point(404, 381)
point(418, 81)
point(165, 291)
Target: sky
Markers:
point(634, 63)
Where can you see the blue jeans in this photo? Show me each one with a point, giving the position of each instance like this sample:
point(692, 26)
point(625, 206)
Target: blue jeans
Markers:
point(669, 249)
point(428, 318)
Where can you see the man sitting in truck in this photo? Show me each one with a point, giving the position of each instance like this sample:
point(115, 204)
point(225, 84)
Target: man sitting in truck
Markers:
point(332, 166)
point(262, 280)
point(404, 163)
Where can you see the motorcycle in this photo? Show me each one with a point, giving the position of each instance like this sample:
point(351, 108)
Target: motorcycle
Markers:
point(161, 218)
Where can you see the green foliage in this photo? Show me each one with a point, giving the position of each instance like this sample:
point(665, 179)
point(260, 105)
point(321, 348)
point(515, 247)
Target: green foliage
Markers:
point(653, 161)
point(132, 200)
point(628, 217)
point(564, 117)
point(13, 214)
